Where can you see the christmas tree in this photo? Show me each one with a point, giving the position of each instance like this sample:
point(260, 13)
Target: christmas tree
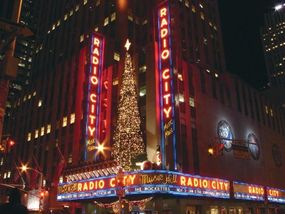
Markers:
point(128, 141)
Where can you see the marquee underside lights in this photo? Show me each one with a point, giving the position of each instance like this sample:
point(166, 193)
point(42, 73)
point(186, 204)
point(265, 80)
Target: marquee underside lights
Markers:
point(248, 191)
point(152, 182)
point(146, 182)
point(94, 93)
point(165, 88)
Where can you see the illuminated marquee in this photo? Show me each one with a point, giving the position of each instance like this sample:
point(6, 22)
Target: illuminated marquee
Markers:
point(275, 195)
point(146, 182)
point(165, 87)
point(93, 108)
point(248, 191)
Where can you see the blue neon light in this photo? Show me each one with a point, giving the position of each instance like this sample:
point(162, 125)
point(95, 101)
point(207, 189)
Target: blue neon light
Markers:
point(162, 143)
point(141, 189)
point(100, 68)
point(172, 94)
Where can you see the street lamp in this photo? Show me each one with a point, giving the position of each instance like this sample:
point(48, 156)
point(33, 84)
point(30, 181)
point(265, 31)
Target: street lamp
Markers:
point(25, 168)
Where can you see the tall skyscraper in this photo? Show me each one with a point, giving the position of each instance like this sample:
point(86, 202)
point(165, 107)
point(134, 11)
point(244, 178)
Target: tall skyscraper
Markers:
point(191, 112)
point(274, 51)
point(25, 48)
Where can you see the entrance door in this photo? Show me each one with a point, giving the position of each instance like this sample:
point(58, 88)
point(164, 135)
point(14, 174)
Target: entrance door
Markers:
point(191, 210)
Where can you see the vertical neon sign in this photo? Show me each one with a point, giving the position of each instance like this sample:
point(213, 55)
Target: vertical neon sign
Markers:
point(94, 75)
point(166, 88)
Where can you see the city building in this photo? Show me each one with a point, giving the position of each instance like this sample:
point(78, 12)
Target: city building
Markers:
point(25, 48)
point(213, 143)
point(17, 32)
point(272, 35)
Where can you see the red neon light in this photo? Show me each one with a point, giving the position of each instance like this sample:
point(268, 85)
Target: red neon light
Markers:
point(165, 54)
point(94, 97)
point(204, 183)
point(273, 192)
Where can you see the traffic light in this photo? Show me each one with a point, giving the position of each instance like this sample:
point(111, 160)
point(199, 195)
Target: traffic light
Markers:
point(10, 144)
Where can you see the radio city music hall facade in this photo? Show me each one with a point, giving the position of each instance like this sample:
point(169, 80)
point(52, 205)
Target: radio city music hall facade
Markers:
point(213, 143)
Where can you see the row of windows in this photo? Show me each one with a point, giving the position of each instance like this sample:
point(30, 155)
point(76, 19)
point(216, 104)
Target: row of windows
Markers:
point(46, 130)
point(6, 175)
point(247, 102)
point(70, 13)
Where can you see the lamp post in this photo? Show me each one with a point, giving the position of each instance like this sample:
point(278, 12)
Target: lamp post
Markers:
point(25, 168)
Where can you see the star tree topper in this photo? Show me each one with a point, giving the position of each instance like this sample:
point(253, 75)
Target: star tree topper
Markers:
point(127, 45)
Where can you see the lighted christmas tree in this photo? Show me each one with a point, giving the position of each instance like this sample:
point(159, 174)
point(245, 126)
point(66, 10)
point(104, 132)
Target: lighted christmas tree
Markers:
point(128, 141)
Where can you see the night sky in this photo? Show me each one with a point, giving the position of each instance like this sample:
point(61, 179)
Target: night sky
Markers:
point(241, 23)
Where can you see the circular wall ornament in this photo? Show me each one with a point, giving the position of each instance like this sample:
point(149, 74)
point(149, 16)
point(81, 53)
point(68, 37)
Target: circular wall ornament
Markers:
point(253, 146)
point(276, 155)
point(225, 134)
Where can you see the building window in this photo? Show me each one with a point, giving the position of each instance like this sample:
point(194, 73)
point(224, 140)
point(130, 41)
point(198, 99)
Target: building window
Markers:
point(29, 137)
point(202, 16)
point(181, 98)
point(40, 103)
point(143, 91)
point(142, 69)
point(116, 82)
point(48, 128)
point(82, 38)
point(85, 2)
point(192, 102)
point(43, 131)
point(271, 112)
point(106, 21)
point(70, 159)
point(193, 9)
point(64, 122)
point(61, 179)
point(72, 118)
point(266, 109)
point(36, 133)
point(2, 161)
point(9, 174)
point(117, 57)
point(113, 17)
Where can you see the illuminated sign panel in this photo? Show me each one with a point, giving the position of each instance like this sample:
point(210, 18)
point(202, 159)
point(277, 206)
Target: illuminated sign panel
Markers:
point(146, 182)
point(165, 88)
point(248, 191)
point(93, 107)
point(275, 195)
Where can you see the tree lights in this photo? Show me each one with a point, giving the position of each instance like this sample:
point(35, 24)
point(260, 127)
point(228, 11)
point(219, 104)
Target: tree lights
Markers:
point(128, 141)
